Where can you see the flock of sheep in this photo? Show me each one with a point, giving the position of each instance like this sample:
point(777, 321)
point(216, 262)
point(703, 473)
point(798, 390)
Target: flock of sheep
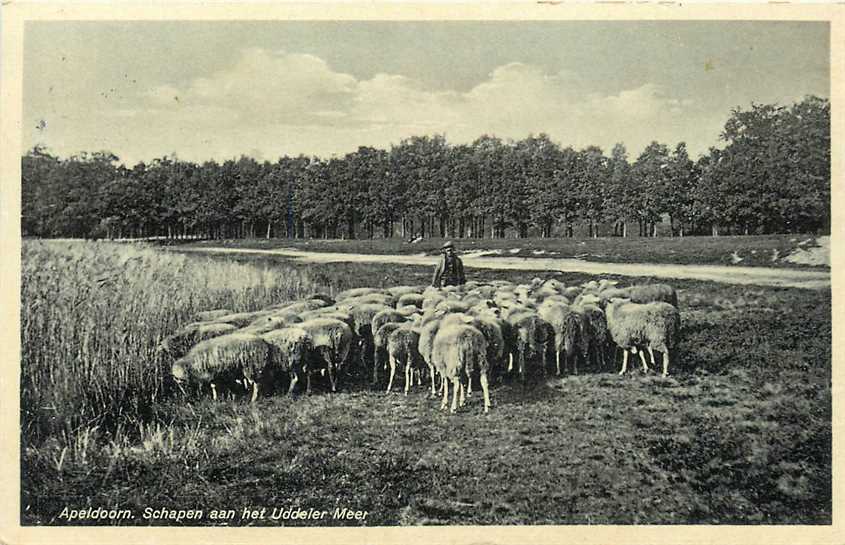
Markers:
point(490, 330)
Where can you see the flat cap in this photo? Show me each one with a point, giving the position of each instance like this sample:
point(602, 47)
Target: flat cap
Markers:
point(448, 245)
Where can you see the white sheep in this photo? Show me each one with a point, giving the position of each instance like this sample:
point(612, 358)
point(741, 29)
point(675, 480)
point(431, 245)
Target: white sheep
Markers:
point(654, 325)
point(178, 344)
point(369, 299)
point(532, 335)
point(555, 314)
point(380, 343)
point(233, 356)
point(242, 319)
point(355, 292)
point(289, 348)
point(459, 349)
point(211, 315)
point(403, 346)
point(362, 320)
point(428, 328)
point(642, 293)
point(332, 339)
point(269, 323)
point(399, 291)
point(406, 299)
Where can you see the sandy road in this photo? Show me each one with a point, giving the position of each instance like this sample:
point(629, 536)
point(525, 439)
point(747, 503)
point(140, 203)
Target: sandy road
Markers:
point(761, 276)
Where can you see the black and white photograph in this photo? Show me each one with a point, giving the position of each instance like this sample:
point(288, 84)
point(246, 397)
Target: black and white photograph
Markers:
point(410, 271)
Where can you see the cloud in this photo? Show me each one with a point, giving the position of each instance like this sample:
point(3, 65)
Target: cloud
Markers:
point(289, 103)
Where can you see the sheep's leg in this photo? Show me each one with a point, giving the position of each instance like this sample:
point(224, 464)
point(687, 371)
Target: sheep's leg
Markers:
point(431, 369)
point(445, 395)
point(332, 377)
point(308, 383)
point(522, 363)
point(510, 362)
point(293, 379)
point(456, 385)
point(486, 389)
point(392, 360)
point(375, 364)
point(666, 363)
point(462, 398)
point(408, 376)
point(651, 353)
point(545, 356)
point(469, 383)
point(213, 392)
point(624, 361)
point(642, 358)
point(255, 388)
point(557, 362)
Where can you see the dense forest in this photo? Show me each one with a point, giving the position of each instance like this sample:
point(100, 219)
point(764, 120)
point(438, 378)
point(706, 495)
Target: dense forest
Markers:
point(771, 175)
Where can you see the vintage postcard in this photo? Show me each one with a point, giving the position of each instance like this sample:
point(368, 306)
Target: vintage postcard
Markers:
point(394, 273)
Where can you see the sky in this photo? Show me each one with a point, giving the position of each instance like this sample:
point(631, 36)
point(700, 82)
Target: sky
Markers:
point(219, 90)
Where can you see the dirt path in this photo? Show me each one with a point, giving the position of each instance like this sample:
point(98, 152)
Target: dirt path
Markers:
point(762, 276)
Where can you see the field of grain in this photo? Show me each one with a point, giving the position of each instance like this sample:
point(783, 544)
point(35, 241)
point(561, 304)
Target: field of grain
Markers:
point(739, 433)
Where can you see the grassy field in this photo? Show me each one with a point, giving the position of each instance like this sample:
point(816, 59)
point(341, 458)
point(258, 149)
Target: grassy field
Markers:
point(762, 251)
point(740, 433)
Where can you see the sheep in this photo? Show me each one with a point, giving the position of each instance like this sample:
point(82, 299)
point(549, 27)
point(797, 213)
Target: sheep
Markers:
point(295, 307)
point(431, 301)
point(328, 312)
point(642, 293)
point(289, 348)
point(362, 317)
point(332, 339)
point(450, 306)
point(655, 325)
point(178, 344)
point(575, 338)
point(370, 299)
point(571, 292)
point(410, 299)
point(460, 348)
point(599, 286)
point(380, 343)
point(399, 291)
point(233, 355)
point(322, 297)
point(269, 323)
point(211, 315)
point(355, 292)
point(596, 334)
point(555, 314)
point(491, 327)
point(306, 305)
point(242, 319)
point(408, 311)
point(386, 316)
point(428, 331)
point(403, 346)
point(532, 335)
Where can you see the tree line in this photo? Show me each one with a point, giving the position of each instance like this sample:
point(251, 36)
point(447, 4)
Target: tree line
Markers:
point(771, 176)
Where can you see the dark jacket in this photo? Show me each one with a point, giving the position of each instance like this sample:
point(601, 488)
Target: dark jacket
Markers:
point(449, 272)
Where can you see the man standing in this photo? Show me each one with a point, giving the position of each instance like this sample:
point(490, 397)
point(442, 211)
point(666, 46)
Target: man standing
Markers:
point(450, 269)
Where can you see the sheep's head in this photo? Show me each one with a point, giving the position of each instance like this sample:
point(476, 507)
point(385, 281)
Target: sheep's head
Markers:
point(607, 284)
point(589, 299)
point(179, 372)
point(615, 302)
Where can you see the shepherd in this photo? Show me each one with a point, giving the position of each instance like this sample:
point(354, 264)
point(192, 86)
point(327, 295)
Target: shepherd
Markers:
point(450, 269)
